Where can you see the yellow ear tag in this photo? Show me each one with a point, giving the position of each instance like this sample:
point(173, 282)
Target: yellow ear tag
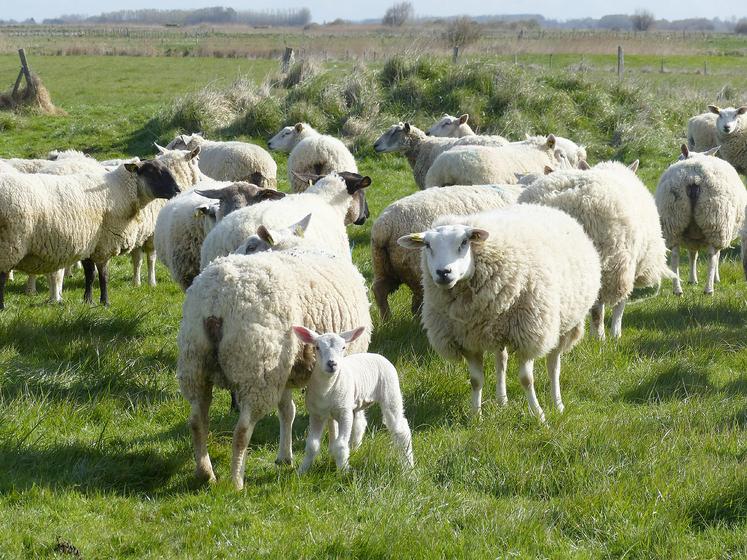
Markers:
point(298, 231)
point(417, 237)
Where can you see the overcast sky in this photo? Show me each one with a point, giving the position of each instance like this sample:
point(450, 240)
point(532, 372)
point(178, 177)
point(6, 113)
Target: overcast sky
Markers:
point(327, 10)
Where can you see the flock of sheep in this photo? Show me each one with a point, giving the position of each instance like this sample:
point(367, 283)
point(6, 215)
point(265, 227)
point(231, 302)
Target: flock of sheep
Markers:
point(515, 246)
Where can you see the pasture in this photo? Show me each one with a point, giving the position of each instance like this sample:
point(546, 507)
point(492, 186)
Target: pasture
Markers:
point(647, 461)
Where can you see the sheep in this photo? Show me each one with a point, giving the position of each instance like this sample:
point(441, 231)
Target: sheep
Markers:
point(342, 387)
point(185, 221)
point(619, 214)
point(522, 277)
point(267, 239)
point(311, 152)
point(731, 135)
point(701, 132)
point(701, 202)
point(482, 165)
point(329, 200)
point(48, 222)
point(422, 150)
point(60, 166)
point(231, 161)
point(394, 265)
point(236, 334)
point(6, 167)
point(686, 152)
point(451, 127)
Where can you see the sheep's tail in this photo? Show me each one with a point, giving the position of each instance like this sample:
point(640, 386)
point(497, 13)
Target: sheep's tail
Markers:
point(214, 331)
point(383, 274)
point(693, 192)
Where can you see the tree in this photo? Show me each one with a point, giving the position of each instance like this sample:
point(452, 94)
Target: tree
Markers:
point(741, 27)
point(399, 14)
point(643, 20)
point(461, 32)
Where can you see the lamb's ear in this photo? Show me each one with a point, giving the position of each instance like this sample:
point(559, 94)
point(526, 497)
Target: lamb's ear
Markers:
point(299, 127)
point(264, 234)
point(407, 127)
point(351, 336)
point(269, 194)
point(478, 235)
point(306, 335)
point(132, 167)
point(550, 141)
point(583, 165)
point(464, 118)
point(548, 170)
point(714, 109)
point(300, 227)
point(742, 110)
point(685, 151)
point(161, 149)
point(193, 154)
point(712, 151)
point(634, 166)
point(412, 241)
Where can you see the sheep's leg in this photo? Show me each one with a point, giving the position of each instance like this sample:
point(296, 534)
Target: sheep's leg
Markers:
point(717, 275)
point(341, 447)
point(713, 256)
point(744, 258)
point(417, 301)
point(242, 435)
point(313, 442)
point(501, 365)
point(332, 430)
point(617, 318)
point(11, 277)
point(30, 289)
point(3, 282)
point(397, 424)
point(381, 290)
point(234, 401)
point(476, 380)
point(693, 267)
point(359, 428)
point(674, 264)
point(286, 415)
point(137, 264)
point(597, 320)
point(152, 268)
point(103, 269)
point(526, 378)
point(553, 372)
point(198, 424)
point(89, 271)
point(56, 280)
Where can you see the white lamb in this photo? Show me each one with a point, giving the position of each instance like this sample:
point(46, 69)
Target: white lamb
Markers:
point(619, 214)
point(522, 277)
point(342, 388)
point(731, 135)
point(311, 152)
point(701, 132)
point(231, 161)
point(329, 199)
point(451, 127)
point(236, 334)
point(394, 265)
point(701, 202)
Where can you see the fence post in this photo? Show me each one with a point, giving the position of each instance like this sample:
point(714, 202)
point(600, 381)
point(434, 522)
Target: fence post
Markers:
point(287, 59)
point(661, 70)
point(455, 54)
point(620, 63)
point(705, 67)
point(516, 59)
point(550, 61)
point(25, 71)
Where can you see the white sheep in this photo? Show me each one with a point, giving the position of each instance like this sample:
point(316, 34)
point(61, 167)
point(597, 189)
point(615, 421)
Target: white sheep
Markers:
point(522, 277)
point(484, 165)
point(329, 199)
point(701, 202)
point(451, 127)
point(61, 166)
point(619, 214)
point(342, 388)
point(48, 221)
point(394, 265)
point(231, 161)
point(701, 132)
point(311, 152)
point(731, 135)
point(267, 239)
point(236, 334)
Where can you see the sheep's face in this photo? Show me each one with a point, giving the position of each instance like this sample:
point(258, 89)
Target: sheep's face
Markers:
point(288, 137)
point(184, 142)
point(269, 239)
point(154, 179)
point(346, 183)
point(183, 164)
point(448, 251)
point(728, 120)
point(450, 127)
point(208, 214)
point(239, 195)
point(396, 139)
point(330, 348)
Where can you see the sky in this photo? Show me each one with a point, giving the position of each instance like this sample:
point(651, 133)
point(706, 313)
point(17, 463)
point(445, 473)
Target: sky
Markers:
point(327, 10)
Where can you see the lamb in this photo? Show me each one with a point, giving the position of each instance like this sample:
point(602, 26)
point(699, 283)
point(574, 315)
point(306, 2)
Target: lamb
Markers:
point(311, 152)
point(236, 334)
point(731, 135)
point(483, 165)
point(267, 239)
point(619, 214)
point(231, 161)
point(342, 387)
point(185, 221)
point(422, 150)
point(329, 200)
point(394, 265)
point(522, 277)
point(701, 202)
point(49, 221)
point(451, 127)
point(701, 132)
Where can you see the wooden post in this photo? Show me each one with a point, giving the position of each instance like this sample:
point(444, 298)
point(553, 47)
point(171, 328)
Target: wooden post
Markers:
point(662, 66)
point(25, 71)
point(516, 59)
point(620, 63)
point(287, 59)
point(550, 61)
point(455, 55)
point(705, 67)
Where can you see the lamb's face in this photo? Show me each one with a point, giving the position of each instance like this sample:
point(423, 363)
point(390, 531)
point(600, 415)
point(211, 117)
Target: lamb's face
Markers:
point(448, 251)
point(393, 140)
point(330, 347)
point(286, 139)
point(728, 121)
point(269, 239)
point(448, 126)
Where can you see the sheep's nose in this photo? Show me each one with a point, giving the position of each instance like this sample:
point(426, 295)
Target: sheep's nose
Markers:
point(443, 272)
point(332, 365)
point(428, 133)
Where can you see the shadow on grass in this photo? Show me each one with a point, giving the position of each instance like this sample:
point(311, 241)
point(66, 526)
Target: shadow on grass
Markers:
point(685, 315)
point(679, 382)
point(726, 508)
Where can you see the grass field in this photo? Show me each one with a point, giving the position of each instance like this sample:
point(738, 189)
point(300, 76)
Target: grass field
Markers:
point(648, 461)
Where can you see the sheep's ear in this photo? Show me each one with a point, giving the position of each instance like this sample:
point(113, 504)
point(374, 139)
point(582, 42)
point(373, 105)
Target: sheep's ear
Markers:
point(478, 235)
point(309, 178)
point(299, 228)
point(205, 210)
point(548, 170)
point(551, 141)
point(193, 154)
point(406, 126)
point(161, 149)
point(264, 234)
point(200, 134)
point(464, 118)
point(351, 336)
point(132, 167)
point(712, 151)
point(634, 166)
point(583, 165)
point(355, 182)
point(742, 110)
point(299, 127)
point(306, 335)
point(685, 151)
point(412, 241)
point(269, 194)
point(217, 194)
point(714, 109)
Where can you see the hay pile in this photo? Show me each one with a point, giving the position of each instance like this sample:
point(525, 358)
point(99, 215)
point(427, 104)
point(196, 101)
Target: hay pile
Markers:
point(33, 96)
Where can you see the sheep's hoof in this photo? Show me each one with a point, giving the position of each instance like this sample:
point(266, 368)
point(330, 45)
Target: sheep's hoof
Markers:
point(283, 461)
point(692, 282)
point(708, 292)
point(678, 293)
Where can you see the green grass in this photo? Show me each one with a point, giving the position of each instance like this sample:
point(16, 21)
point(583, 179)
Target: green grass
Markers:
point(648, 461)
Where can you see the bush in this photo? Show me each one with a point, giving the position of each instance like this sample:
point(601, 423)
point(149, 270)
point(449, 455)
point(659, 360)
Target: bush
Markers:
point(741, 27)
point(394, 71)
point(398, 14)
point(263, 119)
point(461, 32)
point(643, 20)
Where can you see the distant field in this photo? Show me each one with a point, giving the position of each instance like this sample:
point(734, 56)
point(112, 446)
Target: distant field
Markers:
point(648, 461)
